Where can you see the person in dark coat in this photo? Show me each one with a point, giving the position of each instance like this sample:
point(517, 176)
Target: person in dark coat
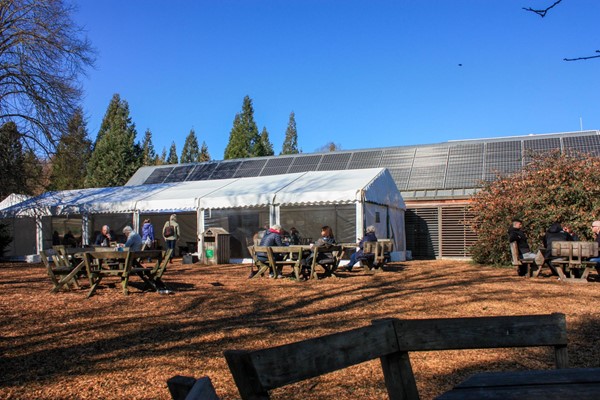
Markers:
point(554, 234)
point(369, 237)
point(515, 234)
point(568, 229)
point(272, 237)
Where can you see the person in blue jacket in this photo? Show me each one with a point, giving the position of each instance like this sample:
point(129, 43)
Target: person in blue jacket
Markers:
point(369, 237)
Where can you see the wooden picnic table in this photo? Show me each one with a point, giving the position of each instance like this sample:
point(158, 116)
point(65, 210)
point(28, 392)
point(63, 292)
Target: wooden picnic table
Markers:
point(123, 263)
point(568, 383)
point(573, 257)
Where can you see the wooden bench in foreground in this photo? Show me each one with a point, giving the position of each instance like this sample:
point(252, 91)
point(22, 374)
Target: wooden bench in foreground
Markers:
point(259, 371)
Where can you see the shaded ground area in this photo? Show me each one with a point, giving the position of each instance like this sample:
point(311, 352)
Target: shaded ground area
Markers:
point(64, 346)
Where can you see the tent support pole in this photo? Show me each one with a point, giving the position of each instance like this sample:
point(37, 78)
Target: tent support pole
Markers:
point(136, 220)
point(39, 234)
point(199, 231)
point(274, 215)
point(85, 229)
point(360, 218)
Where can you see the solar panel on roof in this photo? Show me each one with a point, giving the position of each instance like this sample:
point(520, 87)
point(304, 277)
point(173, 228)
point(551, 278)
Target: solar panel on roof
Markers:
point(584, 144)
point(225, 170)
point(538, 147)
point(250, 168)
point(365, 159)
point(334, 162)
point(306, 163)
point(179, 174)
point(465, 166)
point(202, 172)
point(158, 175)
point(277, 166)
point(397, 158)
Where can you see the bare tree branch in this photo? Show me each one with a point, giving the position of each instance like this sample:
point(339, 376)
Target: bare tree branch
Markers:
point(583, 58)
point(542, 13)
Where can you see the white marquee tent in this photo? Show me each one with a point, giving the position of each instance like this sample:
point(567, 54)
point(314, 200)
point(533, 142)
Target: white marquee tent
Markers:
point(347, 200)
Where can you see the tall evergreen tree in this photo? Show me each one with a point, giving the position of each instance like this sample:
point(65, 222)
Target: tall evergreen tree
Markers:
point(12, 161)
point(290, 143)
point(172, 158)
point(69, 164)
point(244, 133)
point(204, 155)
point(115, 156)
point(162, 159)
point(148, 153)
point(263, 146)
point(190, 152)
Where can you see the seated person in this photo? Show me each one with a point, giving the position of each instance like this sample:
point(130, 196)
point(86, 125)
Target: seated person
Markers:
point(596, 230)
point(294, 236)
point(515, 234)
point(272, 237)
point(104, 237)
point(568, 229)
point(69, 239)
point(554, 234)
point(327, 238)
point(134, 240)
point(369, 237)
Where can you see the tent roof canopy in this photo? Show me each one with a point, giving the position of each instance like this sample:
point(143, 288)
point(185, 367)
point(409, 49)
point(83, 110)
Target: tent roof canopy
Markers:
point(315, 187)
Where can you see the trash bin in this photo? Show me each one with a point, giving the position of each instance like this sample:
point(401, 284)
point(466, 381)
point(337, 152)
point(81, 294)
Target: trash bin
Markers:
point(215, 246)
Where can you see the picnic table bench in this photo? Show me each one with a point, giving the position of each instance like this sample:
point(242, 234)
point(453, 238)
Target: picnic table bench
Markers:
point(376, 254)
point(573, 257)
point(256, 372)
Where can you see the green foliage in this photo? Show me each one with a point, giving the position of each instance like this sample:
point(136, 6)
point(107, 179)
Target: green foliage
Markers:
point(290, 143)
point(263, 146)
point(12, 161)
point(5, 238)
point(190, 152)
point(148, 154)
point(204, 154)
point(115, 157)
point(69, 164)
point(172, 158)
point(554, 187)
point(244, 133)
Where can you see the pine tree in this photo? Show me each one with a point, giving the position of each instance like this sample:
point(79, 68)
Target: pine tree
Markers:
point(244, 133)
point(190, 152)
point(69, 164)
point(172, 158)
point(12, 161)
point(204, 155)
point(263, 146)
point(290, 143)
point(162, 159)
point(148, 153)
point(115, 156)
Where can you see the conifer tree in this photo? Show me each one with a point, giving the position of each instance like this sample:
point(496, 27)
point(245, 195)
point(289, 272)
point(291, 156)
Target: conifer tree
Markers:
point(69, 164)
point(290, 143)
point(190, 152)
point(115, 156)
point(148, 153)
point(263, 146)
point(162, 159)
point(204, 155)
point(172, 158)
point(12, 161)
point(244, 133)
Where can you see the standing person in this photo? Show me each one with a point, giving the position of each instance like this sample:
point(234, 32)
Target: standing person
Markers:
point(171, 234)
point(148, 233)
point(369, 237)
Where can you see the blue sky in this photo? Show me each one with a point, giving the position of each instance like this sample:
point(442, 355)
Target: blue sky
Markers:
point(361, 74)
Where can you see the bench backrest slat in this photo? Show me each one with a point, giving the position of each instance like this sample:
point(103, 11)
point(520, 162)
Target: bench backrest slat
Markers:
point(282, 365)
point(391, 340)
